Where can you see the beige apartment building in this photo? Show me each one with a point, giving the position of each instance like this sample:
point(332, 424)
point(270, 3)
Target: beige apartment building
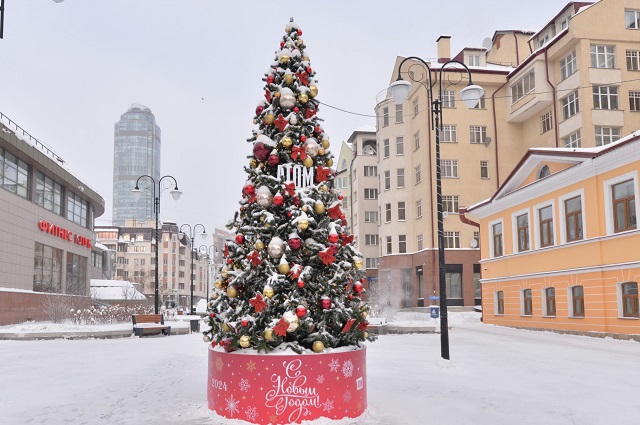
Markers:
point(574, 83)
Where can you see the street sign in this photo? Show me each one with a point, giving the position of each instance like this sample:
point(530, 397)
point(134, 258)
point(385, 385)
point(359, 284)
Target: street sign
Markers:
point(434, 297)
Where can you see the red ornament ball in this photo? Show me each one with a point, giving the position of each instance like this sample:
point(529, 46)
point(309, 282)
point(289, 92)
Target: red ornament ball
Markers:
point(340, 197)
point(270, 79)
point(296, 109)
point(240, 239)
point(299, 32)
point(317, 129)
point(249, 189)
point(303, 138)
point(229, 261)
point(282, 44)
point(295, 243)
point(300, 284)
point(278, 200)
point(358, 287)
point(301, 311)
point(333, 237)
point(259, 109)
point(273, 160)
point(309, 70)
point(212, 315)
point(244, 322)
point(261, 151)
point(325, 303)
point(363, 280)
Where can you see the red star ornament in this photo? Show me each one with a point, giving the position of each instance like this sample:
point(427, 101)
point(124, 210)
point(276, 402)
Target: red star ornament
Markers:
point(281, 122)
point(322, 174)
point(281, 328)
point(335, 212)
point(298, 152)
point(255, 258)
point(290, 188)
point(303, 77)
point(258, 302)
point(347, 240)
point(327, 256)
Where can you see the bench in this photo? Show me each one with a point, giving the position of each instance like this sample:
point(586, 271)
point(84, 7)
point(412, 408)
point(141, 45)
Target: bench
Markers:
point(149, 324)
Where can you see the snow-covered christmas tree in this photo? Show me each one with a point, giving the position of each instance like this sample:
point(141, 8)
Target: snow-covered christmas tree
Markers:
point(292, 275)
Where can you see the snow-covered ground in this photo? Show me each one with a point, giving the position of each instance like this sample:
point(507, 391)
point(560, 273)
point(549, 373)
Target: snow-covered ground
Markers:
point(495, 376)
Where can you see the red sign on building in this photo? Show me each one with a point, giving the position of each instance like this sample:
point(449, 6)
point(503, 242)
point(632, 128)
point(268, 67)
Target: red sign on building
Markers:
point(63, 233)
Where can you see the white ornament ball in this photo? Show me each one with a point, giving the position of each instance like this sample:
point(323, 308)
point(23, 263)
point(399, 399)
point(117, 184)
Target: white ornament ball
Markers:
point(312, 147)
point(276, 247)
point(292, 319)
point(264, 197)
point(287, 98)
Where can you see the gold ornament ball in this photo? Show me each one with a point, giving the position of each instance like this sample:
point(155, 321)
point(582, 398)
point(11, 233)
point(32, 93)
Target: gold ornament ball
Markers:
point(325, 143)
point(277, 94)
point(329, 162)
point(319, 208)
point(321, 152)
point(285, 59)
point(255, 122)
point(268, 292)
point(218, 284)
point(214, 296)
point(288, 79)
point(303, 98)
point(323, 188)
point(268, 334)
point(225, 327)
point(306, 58)
point(365, 314)
point(366, 334)
point(232, 292)
point(303, 224)
point(287, 142)
point(259, 245)
point(313, 90)
point(357, 262)
point(307, 162)
point(253, 163)
point(244, 341)
point(283, 268)
point(206, 338)
point(224, 273)
point(269, 119)
point(305, 208)
point(318, 346)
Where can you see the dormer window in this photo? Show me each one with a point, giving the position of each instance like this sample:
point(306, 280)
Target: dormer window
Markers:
point(544, 172)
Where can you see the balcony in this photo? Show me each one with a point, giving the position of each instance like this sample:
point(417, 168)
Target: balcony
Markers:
point(536, 100)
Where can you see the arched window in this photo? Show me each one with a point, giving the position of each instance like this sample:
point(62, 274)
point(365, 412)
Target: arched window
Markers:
point(544, 172)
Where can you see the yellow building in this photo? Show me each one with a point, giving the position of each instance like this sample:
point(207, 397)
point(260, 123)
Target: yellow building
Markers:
point(559, 241)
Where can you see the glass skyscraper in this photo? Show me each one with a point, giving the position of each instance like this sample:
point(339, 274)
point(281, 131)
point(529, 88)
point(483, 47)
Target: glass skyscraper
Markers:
point(136, 152)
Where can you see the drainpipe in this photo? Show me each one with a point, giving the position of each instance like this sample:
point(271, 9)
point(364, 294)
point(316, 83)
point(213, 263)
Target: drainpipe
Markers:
point(515, 37)
point(495, 126)
point(553, 94)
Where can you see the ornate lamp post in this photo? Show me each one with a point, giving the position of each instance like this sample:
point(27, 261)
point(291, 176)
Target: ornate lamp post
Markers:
point(470, 95)
point(211, 251)
point(192, 234)
point(156, 208)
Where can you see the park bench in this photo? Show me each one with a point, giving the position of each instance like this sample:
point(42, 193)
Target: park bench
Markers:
point(149, 324)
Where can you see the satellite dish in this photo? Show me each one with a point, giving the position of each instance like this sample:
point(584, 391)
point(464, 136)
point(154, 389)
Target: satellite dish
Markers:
point(487, 141)
point(487, 43)
point(473, 243)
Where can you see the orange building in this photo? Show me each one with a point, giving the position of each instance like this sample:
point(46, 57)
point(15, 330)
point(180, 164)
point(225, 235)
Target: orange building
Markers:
point(559, 241)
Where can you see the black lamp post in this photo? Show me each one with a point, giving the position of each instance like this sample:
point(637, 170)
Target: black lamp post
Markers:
point(470, 95)
point(192, 234)
point(211, 252)
point(156, 208)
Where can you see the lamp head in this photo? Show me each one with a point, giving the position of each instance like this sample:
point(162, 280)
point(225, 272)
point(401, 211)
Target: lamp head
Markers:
point(400, 90)
point(136, 193)
point(471, 95)
point(204, 235)
point(176, 193)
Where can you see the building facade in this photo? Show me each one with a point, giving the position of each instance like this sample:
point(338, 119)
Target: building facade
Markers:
point(46, 231)
point(571, 84)
point(559, 241)
point(136, 152)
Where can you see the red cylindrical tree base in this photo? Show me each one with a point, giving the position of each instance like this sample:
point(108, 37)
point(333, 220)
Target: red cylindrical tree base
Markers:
point(287, 388)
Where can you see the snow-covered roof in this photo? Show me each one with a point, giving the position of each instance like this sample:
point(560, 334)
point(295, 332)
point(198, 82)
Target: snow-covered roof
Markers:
point(103, 289)
point(366, 129)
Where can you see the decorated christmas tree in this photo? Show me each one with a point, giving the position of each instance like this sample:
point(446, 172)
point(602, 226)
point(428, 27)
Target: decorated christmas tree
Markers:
point(292, 275)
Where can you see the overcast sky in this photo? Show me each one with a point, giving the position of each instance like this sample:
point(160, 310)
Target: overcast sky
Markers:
point(70, 69)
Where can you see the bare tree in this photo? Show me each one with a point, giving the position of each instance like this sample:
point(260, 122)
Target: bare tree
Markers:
point(384, 298)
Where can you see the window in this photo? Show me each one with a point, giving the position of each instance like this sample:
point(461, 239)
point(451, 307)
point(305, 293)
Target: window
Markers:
point(402, 211)
point(572, 140)
point(371, 216)
point(399, 118)
point(402, 244)
point(76, 210)
point(371, 194)
point(389, 245)
point(543, 40)
point(527, 304)
point(496, 231)
point(76, 274)
point(632, 19)
point(477, 134)
point(385, 148)
point(371, 263)
point(416, 107)
point(545, 216)
point(453, 279)
point(484, 169)
point(634, 101)
point(568, 65)
point(418, 173)
point(477, 288)
point(624, 206)
point(47, 269)
point(450, 203)
point(629, 299)
point(400, 177)
point(370, 171)
point(452, 239)
point(570, 105)
point(419, 208)
point(633, 60)
point(577, 301)
point(522, 222)
point(544, 172)
point(371, 239)
point(606, 135)
point(546, 122)
point(399, 145)
point(449, 168)
point(605, 97)
point(523, 86)
point(385, 117)
point(602, 56)
point(573, 218)
point(474, 60)
point(14, 174)
point(549, 302)
point(448, 99)
point(419, 242)
point(416, 140)
point(48, 193)
point(481, 104)
point(387, 180)
point(499, 302)
point(387, 213)
point(448, 134)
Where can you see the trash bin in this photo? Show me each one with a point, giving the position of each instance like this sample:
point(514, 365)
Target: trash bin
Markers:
point(420, 302)
point(195, 325)
point(434, 311)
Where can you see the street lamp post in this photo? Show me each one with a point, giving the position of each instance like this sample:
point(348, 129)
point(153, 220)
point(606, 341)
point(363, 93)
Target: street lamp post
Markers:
point(211, 252)
point(470, 95)
point(156, 208)
point(192, 234)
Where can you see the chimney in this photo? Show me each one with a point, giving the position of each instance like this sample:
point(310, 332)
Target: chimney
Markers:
point(444, 48)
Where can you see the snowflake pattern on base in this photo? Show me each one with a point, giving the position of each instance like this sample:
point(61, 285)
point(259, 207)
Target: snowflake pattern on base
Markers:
point(347, 368)
point(232, 405)
point(251, 413)
point(320, 379)
point(334, 365)
point(327, 406)
point(244, 385)
point(346, 396)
